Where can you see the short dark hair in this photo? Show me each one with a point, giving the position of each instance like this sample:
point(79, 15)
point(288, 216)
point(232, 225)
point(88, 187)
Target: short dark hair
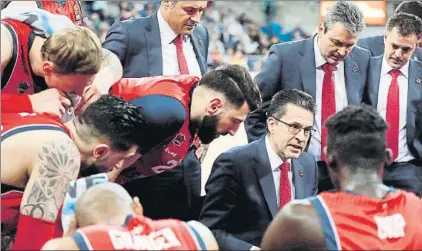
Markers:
point(410, 7)
point(406, 24)
point(357, 136)
point(297, 97)
point(236, 83)
point(113, 118)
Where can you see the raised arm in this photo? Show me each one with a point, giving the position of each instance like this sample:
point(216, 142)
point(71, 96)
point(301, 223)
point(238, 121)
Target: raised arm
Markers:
point(57, 164)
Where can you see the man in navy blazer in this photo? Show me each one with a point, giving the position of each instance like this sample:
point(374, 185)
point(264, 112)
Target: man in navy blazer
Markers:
point(146, 47)
point(302, 65)
point(395, 90)
point(249, 184)
point(375, 44)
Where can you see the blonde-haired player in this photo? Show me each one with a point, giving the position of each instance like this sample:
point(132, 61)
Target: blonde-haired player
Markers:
point(65, 62)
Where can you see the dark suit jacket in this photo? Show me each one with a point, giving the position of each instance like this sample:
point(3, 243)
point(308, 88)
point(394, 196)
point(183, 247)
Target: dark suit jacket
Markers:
point(414, 97)
point(241, 198)
point(292, 66)
point(375, 45)
point(137, 43)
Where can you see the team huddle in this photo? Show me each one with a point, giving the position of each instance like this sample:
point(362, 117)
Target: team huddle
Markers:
point(68, 116)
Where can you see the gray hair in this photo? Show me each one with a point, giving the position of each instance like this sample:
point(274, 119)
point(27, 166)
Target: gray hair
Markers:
point(346, 13)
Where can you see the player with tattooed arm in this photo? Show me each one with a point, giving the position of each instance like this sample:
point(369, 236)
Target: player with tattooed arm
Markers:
point(41, 155)
point(363, 214)
point(109, 219)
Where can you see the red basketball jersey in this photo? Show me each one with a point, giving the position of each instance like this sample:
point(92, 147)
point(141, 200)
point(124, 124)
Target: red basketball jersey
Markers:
point(12, 124)
point(70, 8)
point(140, 233)
point(356, 222)
point(169, 156)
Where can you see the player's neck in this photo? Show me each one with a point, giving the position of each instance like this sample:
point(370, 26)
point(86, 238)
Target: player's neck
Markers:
point(367, 184)
point(35, 57)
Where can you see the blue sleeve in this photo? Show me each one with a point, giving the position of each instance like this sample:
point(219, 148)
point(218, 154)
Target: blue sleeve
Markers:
point(164, 117)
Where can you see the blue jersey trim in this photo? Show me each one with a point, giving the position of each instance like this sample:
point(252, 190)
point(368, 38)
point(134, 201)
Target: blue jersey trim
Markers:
point(198, 238)
point(326, 224)
point(25, 128)
point(80, 241)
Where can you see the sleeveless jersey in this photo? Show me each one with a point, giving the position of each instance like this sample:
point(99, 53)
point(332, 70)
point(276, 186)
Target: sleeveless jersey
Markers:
point(356, 222)
point(140, 233)
point(17, 76)
point(168, 156)
point(70, 8)
point(11, 124)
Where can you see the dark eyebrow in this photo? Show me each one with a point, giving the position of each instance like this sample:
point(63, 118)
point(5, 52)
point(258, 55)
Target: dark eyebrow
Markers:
point(340, 42)
point(402, 47)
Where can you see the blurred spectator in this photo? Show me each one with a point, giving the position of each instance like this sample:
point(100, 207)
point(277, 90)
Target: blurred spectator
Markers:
point(234, 38)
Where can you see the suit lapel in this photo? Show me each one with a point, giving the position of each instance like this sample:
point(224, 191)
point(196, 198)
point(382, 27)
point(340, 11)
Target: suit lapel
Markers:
point(414, 95)
point(298, 173)
point(308, 68)
point(374, 83)
point(198, 47)
point(265, 176)
point(351, 78)
point(153, 41)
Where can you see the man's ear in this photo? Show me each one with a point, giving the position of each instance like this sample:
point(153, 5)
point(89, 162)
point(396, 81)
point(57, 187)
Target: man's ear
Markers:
point(214, 106)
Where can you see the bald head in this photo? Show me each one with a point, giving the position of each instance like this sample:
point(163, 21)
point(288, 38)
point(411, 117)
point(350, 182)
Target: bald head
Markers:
point(103, 203)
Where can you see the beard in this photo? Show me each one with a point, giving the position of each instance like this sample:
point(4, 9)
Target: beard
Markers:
point(207, 131)
point(90, 169)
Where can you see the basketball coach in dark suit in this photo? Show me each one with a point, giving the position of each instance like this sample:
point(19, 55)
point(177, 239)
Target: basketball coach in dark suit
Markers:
point(395, 90)
point(249, 184)
point(375, 44)
point(327, 66)
point(170, 42)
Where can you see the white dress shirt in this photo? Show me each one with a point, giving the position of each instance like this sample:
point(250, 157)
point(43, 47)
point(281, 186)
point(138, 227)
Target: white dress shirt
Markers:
point(385, 82)
point(340, 92)
point(275, 163)
point(168, 49)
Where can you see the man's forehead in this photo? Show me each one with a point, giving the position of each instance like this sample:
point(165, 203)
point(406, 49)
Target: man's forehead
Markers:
point(193, 4)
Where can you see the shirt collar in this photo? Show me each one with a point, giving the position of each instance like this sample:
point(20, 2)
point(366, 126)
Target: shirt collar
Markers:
point(166, 32)
point(275, 160)
point(386, 68)
point(319, 59)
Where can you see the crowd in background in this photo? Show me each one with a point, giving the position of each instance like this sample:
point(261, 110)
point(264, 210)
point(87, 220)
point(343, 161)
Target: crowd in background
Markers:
point(234, 39)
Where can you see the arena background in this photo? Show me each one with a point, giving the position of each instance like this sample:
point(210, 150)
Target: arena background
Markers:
point(241, 32)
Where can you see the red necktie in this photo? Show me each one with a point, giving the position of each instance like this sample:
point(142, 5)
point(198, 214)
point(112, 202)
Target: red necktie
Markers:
point(285, 188)
point(393, 113)
point(181, 60)
point(328, 103)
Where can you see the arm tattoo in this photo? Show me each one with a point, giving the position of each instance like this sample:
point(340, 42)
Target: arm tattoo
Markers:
point(111, 64)
point(57, 168)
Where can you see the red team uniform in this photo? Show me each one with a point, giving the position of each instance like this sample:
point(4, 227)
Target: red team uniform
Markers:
point(18, 79)
point(356, 222)
point(70, 8)
point(168, 156)
point(140, 233)
point(12, 124)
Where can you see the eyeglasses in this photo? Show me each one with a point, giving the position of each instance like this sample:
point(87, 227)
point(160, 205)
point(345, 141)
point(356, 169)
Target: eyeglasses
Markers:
point(296, 128)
